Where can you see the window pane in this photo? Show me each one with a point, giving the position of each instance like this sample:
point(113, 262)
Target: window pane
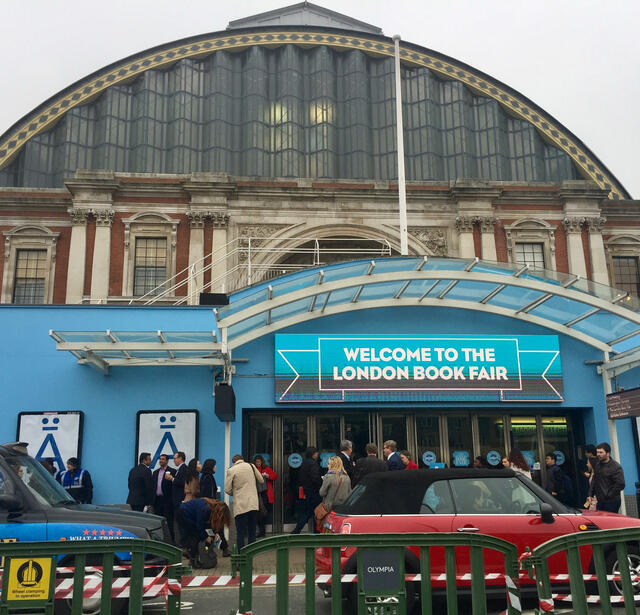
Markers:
point(437, 500)
point(460, 441)
point(626, 274)
point(491, 434)
point(493, 496)
point(531, 254)
point(31, 269)
point(150, 268)
point(428, 433)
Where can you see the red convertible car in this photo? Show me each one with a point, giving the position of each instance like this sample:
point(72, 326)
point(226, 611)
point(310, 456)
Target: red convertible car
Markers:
point(499, 503)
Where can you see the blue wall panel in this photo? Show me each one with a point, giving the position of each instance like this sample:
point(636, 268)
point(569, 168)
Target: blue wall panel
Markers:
point(36, 377)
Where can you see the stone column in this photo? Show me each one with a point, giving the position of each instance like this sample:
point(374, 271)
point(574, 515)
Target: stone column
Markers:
point(488, 238)
point(464, 224)
point(77, 255)
point(575, 250)
point(196, 256)
point(219, 264)
point(101, 255)
point(596, 248)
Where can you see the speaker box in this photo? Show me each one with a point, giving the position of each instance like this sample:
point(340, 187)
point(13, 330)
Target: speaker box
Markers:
point(225, 405)
point(214, 299)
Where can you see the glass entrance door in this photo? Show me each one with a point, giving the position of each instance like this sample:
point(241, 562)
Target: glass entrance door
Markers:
point(294, 443)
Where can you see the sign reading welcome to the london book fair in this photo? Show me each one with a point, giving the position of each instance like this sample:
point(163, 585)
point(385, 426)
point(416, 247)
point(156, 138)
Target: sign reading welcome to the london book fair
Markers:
point(357, 368)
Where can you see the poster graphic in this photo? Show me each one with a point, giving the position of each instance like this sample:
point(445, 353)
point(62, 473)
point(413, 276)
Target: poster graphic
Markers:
point(55, 435)
point(167, 432)
point(376, 368)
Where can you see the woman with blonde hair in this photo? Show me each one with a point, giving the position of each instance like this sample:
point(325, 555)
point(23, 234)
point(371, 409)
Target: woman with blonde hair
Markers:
point(336, 486)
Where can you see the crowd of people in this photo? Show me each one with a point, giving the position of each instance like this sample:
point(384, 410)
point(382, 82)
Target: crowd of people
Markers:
point(188, 497)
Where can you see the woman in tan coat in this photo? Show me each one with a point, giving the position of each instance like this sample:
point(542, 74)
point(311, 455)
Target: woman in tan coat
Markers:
point(240, 483)
point(336, 485)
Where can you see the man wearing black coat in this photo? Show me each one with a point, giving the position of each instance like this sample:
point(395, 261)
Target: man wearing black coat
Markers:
point(608, 480)
point(178, 480)
point(346, 448)
point(141, 485)
point(310, 480)
point(369, 464)
point(162, 489)
point(554, 482)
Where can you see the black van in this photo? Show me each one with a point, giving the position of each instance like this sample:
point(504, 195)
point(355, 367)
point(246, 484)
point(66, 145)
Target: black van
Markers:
point(34, 507)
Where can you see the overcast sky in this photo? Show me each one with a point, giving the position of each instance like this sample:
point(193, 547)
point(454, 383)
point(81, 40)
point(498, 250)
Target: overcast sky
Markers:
point(577, 59)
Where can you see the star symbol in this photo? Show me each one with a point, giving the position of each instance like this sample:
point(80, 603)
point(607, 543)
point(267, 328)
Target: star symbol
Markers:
point(86, 532)
point(110, 532)
point(102, 532)
point(118, 533)
point(94, 532)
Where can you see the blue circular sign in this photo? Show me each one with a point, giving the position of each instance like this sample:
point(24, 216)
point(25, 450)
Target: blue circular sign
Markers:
point(494, 458)
point(560, 458)
point(295, 460)
point(428, 458)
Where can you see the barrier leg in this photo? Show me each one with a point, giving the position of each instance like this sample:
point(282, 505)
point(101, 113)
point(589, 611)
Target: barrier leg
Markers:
point(309, 581)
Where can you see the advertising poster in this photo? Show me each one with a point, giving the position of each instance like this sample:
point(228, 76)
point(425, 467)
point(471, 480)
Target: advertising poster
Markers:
point(54, 435)
point(356, 368)
point(167, 432)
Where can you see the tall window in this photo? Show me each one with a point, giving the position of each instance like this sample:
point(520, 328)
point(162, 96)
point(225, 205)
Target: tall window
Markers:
point(531, 254)
point(626, 274)
point(150, 268)
point(30, 275)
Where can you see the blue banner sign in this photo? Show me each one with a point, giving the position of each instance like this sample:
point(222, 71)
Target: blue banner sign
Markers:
point(355, 368)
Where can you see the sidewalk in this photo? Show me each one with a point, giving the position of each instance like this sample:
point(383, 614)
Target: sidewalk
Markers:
point(262, 564)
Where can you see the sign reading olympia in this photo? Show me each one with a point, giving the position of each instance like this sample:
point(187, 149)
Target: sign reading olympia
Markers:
point(348, 368)
point(29, 579)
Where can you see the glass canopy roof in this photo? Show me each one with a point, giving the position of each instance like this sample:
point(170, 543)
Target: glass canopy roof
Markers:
point(597, 314)
point(103, 349)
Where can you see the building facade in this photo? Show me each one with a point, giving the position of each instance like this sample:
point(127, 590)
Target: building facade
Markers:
point(229, 163)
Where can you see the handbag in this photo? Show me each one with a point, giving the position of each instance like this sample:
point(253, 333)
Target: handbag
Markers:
point(321, 510)
point(207, 557)
point(260, 487)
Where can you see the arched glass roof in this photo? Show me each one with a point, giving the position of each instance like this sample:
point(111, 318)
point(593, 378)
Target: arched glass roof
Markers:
point(209, 103)
point(601, 316)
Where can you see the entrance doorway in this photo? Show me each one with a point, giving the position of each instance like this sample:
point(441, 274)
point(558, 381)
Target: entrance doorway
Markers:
point(437, 439)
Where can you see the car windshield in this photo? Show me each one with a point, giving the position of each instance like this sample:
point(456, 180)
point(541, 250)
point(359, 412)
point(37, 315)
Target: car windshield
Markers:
point(37, 480)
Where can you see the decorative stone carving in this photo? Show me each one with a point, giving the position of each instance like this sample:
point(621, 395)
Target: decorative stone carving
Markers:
point(104, 217)
point(196, 218)
point(434, 239)
point(573, 225)
point(219, 219)
point(258, 234)
point(464, 224)
point(78, 216)
point(596, 224)
point(487, 223)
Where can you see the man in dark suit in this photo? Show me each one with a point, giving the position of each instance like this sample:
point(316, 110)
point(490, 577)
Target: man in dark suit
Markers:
point(369, 464)
point(162, 488)
point(346, 448)
point(141, 485)
point(178, 480)
point(393, 459)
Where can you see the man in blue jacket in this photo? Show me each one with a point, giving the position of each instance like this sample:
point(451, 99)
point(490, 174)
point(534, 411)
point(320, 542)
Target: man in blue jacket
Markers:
point(76, 481)
point(389, 449)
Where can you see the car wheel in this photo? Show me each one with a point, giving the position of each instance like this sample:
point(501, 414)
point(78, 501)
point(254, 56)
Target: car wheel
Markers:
point(90, 606)
point(633, 556)
point(412, 588)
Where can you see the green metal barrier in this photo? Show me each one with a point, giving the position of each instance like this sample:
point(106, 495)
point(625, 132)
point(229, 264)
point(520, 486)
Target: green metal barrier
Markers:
point(603, 544)
point(23, 589)
point(377, 602)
